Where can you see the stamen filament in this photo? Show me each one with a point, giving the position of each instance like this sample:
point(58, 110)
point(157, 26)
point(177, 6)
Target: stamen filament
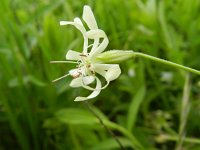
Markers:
point(60, 78)
point(74, 62)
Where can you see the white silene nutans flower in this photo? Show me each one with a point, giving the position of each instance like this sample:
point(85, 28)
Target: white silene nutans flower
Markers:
point(90, 62)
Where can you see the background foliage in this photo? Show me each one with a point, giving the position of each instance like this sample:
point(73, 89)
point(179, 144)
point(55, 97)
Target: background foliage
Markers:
point(147, 106)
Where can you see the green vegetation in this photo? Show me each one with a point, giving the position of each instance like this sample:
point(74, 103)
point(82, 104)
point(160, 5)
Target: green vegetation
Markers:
point(151, 106)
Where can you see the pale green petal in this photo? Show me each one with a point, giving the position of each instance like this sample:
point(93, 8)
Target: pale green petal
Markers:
point(102, 46)
point(78, 21)
point(93, 94)
point(98, 33)
point(113, 73)
point(81, 81)
point(89, 18)
point(77, 82)
point(79, 25)
point(88, 80)
point(108, 71)
point(62, 23)
point(95, 44)
point(73, 55)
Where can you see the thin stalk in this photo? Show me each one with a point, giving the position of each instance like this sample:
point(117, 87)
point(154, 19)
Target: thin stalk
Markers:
point(172, 64)
point(60, 78)
point(166, 137)
point(74, 139)
point(135, 142)
point(102, 123)
point(57, 62)
point(184, 113)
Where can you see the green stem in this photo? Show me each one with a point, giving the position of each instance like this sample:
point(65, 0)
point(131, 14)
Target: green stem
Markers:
point(135, 142)
point(184, 113)
point(166, 137)
point(166, 62)
point(108, 125)
point(104, 125)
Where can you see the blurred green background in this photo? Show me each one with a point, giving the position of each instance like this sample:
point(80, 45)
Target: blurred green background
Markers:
point(151, 106)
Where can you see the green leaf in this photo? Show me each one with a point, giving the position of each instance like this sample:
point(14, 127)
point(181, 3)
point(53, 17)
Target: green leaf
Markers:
point(109, 144)
point(76, 116)
point(134, 107)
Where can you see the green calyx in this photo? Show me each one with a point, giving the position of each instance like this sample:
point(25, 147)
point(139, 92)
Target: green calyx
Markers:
point(115, 56)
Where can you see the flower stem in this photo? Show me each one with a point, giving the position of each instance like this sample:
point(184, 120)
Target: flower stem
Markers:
point(166, 62)
point(166, 137)
point(136, 144)
point(102, 123)
point(184, 113)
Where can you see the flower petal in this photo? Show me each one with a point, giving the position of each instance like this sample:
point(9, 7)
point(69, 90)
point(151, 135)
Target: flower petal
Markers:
point(108, 71)
point(113, 73)
point(89, 18)
point(98, 33)
point(83, 30)
point(95, 44)
point(100, 48)
point(62, 23)
point(93, 94)
point(73, 55)
point(81, 81)
point(77, 82)
point(88, 80)
point(79, 25)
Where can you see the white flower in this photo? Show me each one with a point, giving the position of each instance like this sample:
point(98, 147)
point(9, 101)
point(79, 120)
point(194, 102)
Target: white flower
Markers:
point(88, 65)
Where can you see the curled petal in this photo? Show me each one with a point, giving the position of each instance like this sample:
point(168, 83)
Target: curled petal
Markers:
point(98, 33)
point(93, 94)
point(73, 55)
point(100, 48)
point(89, 18)
point(108, 71)
point(62, 23)
point(83, 30)
point(95, 44)
point(77, 23)
point(81, 81)
point(94, 89)
point(113, 73)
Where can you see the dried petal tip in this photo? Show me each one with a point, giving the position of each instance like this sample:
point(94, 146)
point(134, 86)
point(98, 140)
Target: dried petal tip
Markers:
point(115, 56)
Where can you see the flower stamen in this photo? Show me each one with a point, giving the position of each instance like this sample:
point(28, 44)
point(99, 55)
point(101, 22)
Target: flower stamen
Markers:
point(60, 77)
point(73, 62)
